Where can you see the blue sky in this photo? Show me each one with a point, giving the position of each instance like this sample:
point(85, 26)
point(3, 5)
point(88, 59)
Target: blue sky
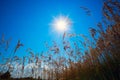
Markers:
point(28, 20)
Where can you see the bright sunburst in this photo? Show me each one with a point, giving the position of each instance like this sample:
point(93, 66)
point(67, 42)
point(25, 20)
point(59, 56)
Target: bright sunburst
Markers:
point(61, 23)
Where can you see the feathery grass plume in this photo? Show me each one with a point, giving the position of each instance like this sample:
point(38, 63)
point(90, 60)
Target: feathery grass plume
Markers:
point(16, 58)
point(93, 32)
point(85, 38)
point(88, 12)
point(31, 57)
point(28, 49)
point(7, 44)
point(4, 43)
point(66, 45)
point(32, 54)
point(100, 30)
point(64, 35)
point(19, 44)
point(55, 48)
point(71, 35)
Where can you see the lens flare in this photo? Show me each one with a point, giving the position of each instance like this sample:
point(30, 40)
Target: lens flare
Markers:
point(61, 23)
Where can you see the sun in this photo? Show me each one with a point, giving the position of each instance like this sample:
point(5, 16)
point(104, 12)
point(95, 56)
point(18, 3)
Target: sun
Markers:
point(61, 23)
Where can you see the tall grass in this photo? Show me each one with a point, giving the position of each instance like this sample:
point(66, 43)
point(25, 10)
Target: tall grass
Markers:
point(100, 59)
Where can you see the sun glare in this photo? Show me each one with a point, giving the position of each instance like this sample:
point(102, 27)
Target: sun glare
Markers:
point(61, 23)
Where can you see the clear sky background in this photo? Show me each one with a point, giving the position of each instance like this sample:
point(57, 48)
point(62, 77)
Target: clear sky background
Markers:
point(28, 20)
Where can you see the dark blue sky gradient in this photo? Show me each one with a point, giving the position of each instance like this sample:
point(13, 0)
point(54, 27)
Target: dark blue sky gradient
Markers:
point(28, 20)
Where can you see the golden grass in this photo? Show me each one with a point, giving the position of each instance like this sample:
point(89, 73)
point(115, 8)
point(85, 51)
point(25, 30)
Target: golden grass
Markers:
point(99, 61)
